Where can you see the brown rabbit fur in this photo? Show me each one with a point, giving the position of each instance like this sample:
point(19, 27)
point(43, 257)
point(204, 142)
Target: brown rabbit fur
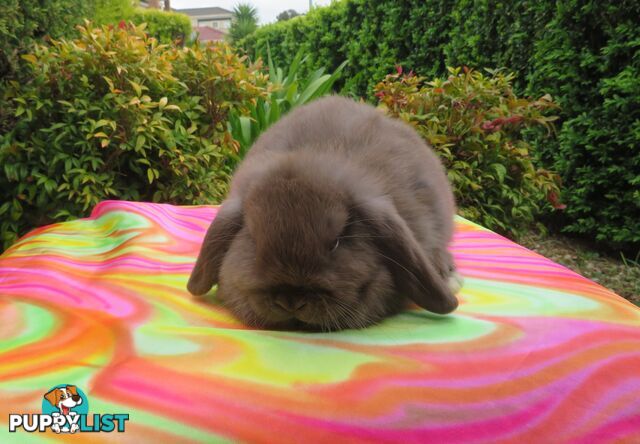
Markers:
point(335, 219)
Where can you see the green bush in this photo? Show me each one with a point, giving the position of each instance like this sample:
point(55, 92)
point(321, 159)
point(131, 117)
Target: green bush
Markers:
point(475, 123)
point(425, 35)
point(23, 22)
point(374, 36)
point(165, 26)
point(585, 53)
point(497, 33)
point(115, 115)
point(589, 58)
point(110, 12)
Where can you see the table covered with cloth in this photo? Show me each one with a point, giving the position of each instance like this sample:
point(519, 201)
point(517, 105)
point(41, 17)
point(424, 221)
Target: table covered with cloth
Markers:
point(534, 353)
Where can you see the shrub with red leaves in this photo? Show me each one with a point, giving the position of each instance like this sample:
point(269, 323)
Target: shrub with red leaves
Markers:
point(476, 124)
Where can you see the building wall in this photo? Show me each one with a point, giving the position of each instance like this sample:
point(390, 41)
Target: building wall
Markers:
point(221, 23)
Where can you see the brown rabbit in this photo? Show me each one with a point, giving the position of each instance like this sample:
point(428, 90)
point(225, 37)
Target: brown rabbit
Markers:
point(337, 215)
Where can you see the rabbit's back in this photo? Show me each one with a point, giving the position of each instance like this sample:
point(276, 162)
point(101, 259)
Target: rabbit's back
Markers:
point(350, 132)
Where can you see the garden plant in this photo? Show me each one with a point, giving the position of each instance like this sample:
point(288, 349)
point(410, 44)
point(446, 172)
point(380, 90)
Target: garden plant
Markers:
point(115, 114)
point(475, 122)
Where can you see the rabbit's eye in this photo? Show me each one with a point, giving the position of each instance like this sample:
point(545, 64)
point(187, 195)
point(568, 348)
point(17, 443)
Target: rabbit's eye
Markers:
point(335, 246)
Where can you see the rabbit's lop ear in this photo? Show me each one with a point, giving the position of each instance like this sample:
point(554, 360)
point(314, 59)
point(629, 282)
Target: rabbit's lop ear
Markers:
point(415, 275)
point(216, 242)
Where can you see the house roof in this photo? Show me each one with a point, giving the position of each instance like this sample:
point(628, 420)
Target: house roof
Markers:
point(205, 11)
point(208, 34)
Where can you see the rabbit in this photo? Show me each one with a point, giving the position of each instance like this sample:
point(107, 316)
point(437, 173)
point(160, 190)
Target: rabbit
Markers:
point(337, 217)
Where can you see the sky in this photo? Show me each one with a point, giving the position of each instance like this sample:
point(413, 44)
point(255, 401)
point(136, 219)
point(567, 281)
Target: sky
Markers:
point(267, 9)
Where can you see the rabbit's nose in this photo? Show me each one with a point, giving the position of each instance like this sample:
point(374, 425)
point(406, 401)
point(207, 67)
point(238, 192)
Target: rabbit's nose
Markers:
point(290, 304)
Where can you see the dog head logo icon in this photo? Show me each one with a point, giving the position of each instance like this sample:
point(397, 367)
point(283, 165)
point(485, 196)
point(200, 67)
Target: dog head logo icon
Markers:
point(64, 398)
point(65, 401)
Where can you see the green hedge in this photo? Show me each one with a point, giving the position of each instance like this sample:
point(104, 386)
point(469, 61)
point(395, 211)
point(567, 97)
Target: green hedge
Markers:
point(585, 53)
point(165, 26)
point(110, 12)
point(589, 58)
point(423, 35)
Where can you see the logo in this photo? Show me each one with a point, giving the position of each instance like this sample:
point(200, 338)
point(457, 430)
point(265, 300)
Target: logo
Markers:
point(65, 409)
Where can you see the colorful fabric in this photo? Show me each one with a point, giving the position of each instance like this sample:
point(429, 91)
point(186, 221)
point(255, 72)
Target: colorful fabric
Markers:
point(535, 352)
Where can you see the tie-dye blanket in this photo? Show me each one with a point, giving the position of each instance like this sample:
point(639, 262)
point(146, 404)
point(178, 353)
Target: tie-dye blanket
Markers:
point(535, 353)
